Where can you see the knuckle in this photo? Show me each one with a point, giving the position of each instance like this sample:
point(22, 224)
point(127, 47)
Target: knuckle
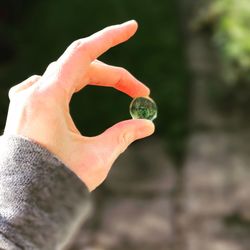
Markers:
point(125, 139)
point(34, 77)
point(124, 73)
point(121, 73)
point(22, 86)
point(11, 92)
point(122, 70)
point(51, 66)
point(76, 44)
point(82, 46)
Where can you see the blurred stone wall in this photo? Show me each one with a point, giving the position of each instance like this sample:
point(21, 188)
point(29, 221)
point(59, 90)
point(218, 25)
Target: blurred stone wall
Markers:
point(215, 193)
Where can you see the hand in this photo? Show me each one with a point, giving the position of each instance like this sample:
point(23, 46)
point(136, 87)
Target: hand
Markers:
point(39, 106)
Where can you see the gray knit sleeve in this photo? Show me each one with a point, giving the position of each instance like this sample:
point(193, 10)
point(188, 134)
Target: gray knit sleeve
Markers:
point(42, 203)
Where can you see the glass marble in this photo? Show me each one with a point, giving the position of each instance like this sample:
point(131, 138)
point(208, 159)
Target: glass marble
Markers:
point(143, 108)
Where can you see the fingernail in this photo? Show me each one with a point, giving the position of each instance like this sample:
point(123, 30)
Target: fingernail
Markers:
point(148, 91)
point(129, 22)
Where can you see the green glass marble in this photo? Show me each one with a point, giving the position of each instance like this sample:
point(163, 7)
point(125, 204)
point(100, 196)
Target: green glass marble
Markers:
point(143, 108)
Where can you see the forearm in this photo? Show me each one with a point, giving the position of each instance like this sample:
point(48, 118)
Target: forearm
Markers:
point(41, 200)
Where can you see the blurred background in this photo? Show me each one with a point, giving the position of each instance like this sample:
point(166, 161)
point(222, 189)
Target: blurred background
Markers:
point(187, 187)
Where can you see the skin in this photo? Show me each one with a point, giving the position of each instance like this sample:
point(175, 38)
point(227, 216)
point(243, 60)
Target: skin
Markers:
point(39, 106)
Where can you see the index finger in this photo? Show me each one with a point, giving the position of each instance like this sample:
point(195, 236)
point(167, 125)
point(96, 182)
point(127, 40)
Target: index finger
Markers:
point(102, 74)
point(83, 51)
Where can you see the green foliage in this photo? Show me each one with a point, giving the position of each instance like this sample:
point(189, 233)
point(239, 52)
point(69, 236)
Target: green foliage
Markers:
point(232, 36)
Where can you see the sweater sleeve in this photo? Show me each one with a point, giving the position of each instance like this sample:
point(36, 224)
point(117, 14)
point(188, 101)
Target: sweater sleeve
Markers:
point(42, 203)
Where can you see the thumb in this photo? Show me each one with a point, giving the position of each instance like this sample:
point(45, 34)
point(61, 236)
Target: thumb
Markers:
point(109, 145)
point(116, 139)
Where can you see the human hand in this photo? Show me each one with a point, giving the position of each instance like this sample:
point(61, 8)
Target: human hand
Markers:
point(39, 106)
